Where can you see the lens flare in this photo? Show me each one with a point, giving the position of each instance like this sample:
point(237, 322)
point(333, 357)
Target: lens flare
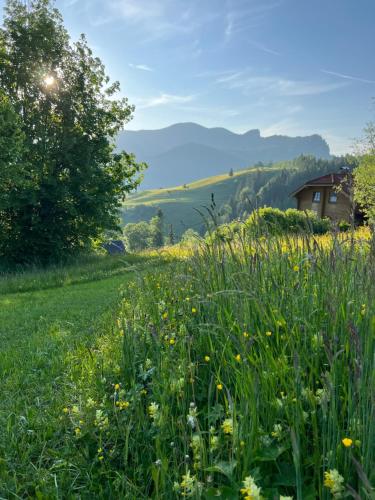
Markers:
point(49, 80)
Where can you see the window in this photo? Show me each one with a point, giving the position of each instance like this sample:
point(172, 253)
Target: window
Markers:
point(332, 197)
point(316, 197)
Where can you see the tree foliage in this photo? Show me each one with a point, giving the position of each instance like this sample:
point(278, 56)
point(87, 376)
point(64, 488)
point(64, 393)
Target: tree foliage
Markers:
point(142, 235)
point(364, 175)
point(157, 230)
point(137, 236)
point(65, 181)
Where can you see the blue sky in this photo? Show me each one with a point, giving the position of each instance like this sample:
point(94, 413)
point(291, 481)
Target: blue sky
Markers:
point(290, 67)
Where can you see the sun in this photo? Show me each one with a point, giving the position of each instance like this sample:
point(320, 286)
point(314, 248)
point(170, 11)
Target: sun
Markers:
point(49, 80)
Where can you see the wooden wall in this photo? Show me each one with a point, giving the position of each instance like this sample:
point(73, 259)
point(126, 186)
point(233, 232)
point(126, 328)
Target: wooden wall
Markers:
point(336, 211)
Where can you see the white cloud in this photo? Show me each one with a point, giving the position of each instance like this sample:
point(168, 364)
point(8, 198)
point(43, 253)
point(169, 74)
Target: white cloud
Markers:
point(264, 48)
point(163, 100)
point(287, 126)
point(275, 85)
point(241, 17)
point(141, 67)
point(160, 19)
point(227, 78)
point(229, 25)
point(347, 77)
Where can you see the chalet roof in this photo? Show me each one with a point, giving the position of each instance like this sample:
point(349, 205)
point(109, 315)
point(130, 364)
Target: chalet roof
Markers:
point(334, 179)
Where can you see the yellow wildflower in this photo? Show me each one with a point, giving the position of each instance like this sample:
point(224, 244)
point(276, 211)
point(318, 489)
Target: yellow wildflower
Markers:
point(153, 411)
point(347, 442)
point(246, 335)
point(238, 357)
point(219, 387)
point(101, 419)
point(296, 269)
point(77, 430)
point(165, 315)
point(193, 310)
point(117, 387)
point(334, 481)
point(227, 426)
point(207, 359)
point(214, 443)
point(250, 490)
point(123, 405)
point(65, 410)
point(269, 334)
point(172, 341)
point(188, 485)
point(90, 403)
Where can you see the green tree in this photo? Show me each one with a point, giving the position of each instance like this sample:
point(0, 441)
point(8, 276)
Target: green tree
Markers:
point(157, 229)
point(225, 213)
point(171, 236)
point(364, 175)
point(189, 236)
point(71, 180)
point(137, 236)
point(12, 174)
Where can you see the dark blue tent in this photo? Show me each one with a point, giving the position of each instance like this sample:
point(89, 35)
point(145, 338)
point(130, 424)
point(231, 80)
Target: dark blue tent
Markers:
point(114, 247)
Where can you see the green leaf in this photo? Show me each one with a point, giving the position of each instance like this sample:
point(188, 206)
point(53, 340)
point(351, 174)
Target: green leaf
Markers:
point(224, 492)
point(286, 476)
point(225, 468)
point(270, 454)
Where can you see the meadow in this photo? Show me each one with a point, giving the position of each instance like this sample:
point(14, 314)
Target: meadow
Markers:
point(243, 368)
point(179, 203)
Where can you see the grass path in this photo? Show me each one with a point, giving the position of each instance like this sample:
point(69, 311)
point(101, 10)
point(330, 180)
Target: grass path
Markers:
point(42, 333)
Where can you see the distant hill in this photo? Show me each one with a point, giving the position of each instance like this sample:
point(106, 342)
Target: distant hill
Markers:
point(183, 152)
point(234, 196)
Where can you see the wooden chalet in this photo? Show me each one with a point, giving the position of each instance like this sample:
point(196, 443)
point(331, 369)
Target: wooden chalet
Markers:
point(329, 196)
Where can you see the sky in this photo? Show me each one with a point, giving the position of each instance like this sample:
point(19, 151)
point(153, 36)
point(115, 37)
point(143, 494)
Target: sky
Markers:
point(291, 67)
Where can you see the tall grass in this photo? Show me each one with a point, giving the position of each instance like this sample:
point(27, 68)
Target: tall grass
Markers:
point(251, 360)
point(276, 335)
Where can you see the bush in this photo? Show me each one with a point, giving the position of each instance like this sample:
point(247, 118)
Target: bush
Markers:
point(344, 226)
point(137, 236)
point(189, 236)
point(276, 221)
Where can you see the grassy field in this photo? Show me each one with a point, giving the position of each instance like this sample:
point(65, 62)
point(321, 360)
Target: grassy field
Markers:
point(49, 323)
point(179, 204)
point(242, 370)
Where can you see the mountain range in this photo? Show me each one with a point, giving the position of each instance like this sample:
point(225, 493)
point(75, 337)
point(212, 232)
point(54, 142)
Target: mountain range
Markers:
point(184, 152)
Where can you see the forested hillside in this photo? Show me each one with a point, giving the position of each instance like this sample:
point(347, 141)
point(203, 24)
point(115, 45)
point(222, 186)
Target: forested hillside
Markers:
point(235, 196)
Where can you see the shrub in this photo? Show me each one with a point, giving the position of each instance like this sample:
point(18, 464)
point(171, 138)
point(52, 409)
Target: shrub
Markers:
point(275, 221)
point(189, 236)
point(137, 236)
point(344, 226)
